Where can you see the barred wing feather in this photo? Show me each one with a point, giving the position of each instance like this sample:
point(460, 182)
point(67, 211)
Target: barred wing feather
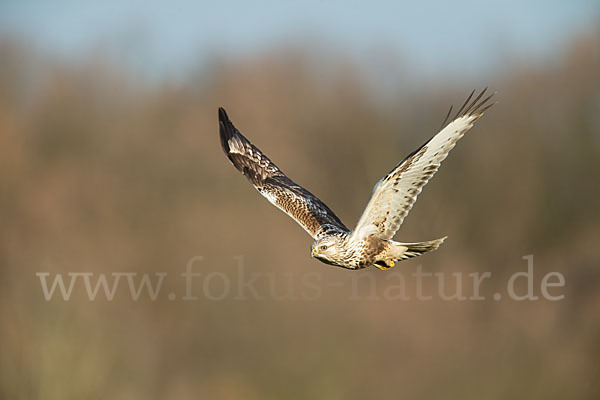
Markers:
point(304, 207)
point(394, 195)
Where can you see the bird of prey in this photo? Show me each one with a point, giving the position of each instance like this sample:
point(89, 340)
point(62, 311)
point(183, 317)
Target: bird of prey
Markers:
point(370, 242)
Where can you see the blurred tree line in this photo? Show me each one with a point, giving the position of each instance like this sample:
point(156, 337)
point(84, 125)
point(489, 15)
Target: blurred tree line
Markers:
point(102, 172)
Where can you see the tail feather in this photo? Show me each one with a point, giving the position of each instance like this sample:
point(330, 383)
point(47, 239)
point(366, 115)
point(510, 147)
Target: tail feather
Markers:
point(416, 249)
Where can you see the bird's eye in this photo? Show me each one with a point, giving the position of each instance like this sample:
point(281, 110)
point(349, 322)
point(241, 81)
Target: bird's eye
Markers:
point(323, 248)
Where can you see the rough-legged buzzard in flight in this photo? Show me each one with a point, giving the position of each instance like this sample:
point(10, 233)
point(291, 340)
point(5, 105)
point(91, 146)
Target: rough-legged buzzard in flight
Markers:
point(370, 243)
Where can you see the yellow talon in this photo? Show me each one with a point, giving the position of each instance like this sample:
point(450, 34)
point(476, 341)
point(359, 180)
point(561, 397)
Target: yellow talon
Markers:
point(385, 266)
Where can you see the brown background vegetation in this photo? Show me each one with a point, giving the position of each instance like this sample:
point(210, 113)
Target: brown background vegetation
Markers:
point(101, 172)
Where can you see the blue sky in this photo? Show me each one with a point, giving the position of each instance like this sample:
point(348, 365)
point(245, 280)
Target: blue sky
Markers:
point(163, 37)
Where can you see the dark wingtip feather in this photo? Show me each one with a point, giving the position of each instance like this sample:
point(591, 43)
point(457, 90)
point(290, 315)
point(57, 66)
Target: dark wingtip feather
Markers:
point(475, 107)
point(225, 130)
point(447, 116)
point(223, 115)
point(461, 109)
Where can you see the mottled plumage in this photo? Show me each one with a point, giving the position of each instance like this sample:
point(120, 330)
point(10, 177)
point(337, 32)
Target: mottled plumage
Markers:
point(370, 243)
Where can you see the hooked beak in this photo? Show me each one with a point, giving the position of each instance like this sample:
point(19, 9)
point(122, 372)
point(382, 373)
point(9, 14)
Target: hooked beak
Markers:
point(314, 252)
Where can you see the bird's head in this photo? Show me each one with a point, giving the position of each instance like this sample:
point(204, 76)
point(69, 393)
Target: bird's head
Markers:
point(327, 249)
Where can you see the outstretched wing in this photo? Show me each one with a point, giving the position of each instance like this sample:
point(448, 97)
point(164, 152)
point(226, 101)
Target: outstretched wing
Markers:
point(394, 195)
point(304, 207)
